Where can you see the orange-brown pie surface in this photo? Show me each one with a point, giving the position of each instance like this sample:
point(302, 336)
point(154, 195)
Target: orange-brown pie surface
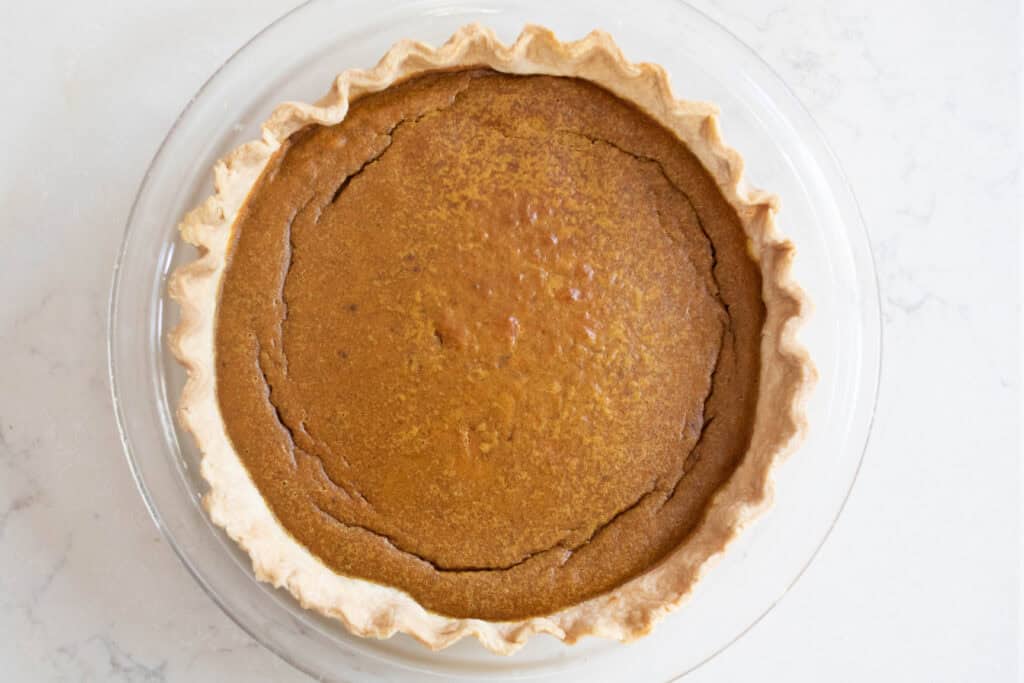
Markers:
point(492, 340)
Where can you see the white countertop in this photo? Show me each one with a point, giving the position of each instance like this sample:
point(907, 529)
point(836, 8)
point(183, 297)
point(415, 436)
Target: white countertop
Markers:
point(920, 579)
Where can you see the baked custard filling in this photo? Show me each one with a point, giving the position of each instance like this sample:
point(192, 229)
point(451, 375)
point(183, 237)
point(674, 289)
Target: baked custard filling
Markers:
point(491, 340)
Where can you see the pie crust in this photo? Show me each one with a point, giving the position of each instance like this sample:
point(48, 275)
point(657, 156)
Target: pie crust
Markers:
point(373, 610)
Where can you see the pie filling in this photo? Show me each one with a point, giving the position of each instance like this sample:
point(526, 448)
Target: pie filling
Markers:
point(492, 340)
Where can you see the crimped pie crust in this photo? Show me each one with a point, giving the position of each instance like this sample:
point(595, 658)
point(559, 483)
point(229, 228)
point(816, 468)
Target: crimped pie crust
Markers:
point(369, 609)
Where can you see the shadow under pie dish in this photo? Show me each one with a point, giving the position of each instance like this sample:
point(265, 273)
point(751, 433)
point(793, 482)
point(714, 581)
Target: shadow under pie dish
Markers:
point(490, 341)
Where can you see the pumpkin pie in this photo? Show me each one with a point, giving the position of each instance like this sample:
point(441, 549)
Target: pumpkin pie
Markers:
point(491, 340)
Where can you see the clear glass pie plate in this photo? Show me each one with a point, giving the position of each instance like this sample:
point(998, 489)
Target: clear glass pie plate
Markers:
point(296, 58)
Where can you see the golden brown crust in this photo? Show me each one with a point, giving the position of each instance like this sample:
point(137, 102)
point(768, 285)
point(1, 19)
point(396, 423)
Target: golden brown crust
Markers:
point(373, 610)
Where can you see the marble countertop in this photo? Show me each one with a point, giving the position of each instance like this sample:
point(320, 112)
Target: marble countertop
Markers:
point(919, 581)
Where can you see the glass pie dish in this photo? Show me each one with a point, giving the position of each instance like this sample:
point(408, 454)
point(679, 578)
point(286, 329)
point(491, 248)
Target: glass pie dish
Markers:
point(296, 58)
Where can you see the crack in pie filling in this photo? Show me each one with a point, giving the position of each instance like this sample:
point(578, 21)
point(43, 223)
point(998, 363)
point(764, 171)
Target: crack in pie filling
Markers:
point(489, 346)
